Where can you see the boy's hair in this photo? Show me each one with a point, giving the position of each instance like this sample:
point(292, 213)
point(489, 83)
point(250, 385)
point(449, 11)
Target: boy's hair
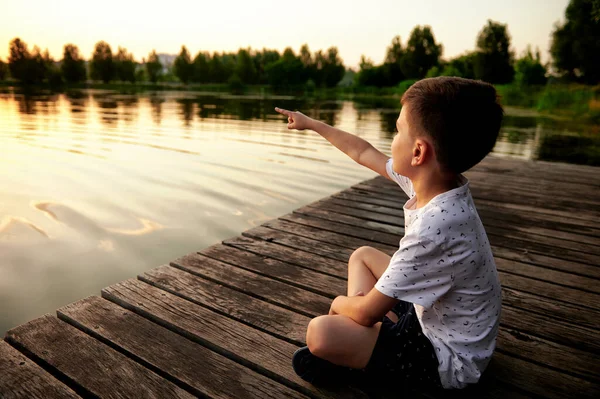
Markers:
point(461, 116)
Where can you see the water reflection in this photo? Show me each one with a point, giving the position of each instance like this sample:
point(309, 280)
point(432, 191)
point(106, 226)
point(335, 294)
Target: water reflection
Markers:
point(156, 101)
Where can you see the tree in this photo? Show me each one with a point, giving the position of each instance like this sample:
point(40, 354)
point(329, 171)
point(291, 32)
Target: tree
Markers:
point(529, 70)
point(329, 69)
point(102, 66)
point(494, 59)
point(124, 66)
point(261, 60)
point(183, 67)
point(245, 68)
point(3, 70)
point(287, 71)
point(72, 66)
point(421, 54)
point(201, 68)
point(153, 67)
point(19, 61)
point(575, 46)
point(462, 66)
point(391, 71)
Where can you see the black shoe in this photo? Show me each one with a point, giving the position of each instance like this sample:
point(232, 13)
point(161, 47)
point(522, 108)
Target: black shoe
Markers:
point(314, 369)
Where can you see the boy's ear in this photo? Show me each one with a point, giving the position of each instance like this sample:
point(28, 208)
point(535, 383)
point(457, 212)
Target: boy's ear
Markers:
point(421, 152)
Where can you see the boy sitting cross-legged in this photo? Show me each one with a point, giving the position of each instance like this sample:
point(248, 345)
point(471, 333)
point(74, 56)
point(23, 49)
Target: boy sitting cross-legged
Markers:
point(431, 311)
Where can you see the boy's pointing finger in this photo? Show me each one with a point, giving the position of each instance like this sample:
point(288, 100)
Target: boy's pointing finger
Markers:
point(283, 111)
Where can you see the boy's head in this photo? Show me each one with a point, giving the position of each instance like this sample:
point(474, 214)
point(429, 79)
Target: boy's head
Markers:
point(460, 118)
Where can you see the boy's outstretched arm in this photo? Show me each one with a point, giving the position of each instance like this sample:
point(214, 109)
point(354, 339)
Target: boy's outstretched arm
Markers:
point(361, 151)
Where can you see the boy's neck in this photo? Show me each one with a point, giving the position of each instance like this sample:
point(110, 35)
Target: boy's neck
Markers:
point(429, 185)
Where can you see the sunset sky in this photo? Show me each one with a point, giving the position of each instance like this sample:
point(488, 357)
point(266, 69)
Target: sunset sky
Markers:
point(355, 27)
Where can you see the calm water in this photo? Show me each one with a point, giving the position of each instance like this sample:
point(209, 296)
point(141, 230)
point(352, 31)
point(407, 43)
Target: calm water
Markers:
point(97, 187)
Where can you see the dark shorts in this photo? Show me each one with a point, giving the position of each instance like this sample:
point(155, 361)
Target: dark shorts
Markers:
point(402, 352)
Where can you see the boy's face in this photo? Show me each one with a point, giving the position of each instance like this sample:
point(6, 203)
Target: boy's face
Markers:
point(402, 145)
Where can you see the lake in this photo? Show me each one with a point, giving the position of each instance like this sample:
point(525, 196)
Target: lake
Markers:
point(98, 187)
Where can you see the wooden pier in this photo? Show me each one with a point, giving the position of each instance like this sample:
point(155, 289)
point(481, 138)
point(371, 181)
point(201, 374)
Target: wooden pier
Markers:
point(223, 322)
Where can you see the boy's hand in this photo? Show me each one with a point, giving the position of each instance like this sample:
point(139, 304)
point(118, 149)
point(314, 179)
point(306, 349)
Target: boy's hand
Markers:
point(296, 120)
point(331, 312)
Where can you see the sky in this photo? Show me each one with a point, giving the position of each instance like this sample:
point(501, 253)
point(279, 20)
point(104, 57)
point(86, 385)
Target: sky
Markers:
point(355, 27)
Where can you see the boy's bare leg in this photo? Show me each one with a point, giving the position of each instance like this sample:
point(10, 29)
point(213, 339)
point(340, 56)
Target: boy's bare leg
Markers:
point(340, 340)
point(365, 266)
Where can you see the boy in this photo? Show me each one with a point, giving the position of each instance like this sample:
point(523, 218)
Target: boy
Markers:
point(430, 312)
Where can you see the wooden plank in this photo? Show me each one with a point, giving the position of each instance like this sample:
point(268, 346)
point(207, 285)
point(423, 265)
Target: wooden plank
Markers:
point(530, 183)
point(507, 253)
point(280, 322)
point(22, 378)
point(343, 240)
point(282, 271)
point(537, 203)
point(96, 369)
point(498, 227)
point(301, 301)
point(525, 214)
point(169, 354)
point(387, 239)
point(320, 264)
point(550, 328)
point(581, 251)
point(329, 205)
point(314, 211)
point(330, 251)
point(546, 225)
point(550, 307)
point(557, 356)
point(540, 273)
point(246, 345)
point(545, 382)
point(525, 284)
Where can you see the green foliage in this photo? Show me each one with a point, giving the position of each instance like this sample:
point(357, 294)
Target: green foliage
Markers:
point(125, 66)
point(421, 53)
point(462, 66)
point(529, 69)
point(201, 68)
point(153, 67)
point(330, 69)
point(245, 68)
point(575, 45)
point(575, 99)
point(19, 61)
point(493, 61)
point(404, 85)
point(287, 72)
point(183, 67)
point(30, 68)
point(73, 66)
point(140, 73)
point(3, 70)
point(102, 66)
point(433, 72)
point(235, 84)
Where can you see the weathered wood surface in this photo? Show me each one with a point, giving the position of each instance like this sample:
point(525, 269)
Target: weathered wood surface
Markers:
point(86, 363)
point(223, 322)
point(22, 378)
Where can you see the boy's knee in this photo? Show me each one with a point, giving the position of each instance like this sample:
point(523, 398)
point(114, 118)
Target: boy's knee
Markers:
point(316, 335)
point(360, 254)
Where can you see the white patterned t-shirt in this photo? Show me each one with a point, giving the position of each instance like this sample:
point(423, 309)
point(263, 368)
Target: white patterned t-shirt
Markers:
point(445, 267)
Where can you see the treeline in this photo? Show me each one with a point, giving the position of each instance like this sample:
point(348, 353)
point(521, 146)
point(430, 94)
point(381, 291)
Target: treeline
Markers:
point(575, 52)
point(246, 67)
